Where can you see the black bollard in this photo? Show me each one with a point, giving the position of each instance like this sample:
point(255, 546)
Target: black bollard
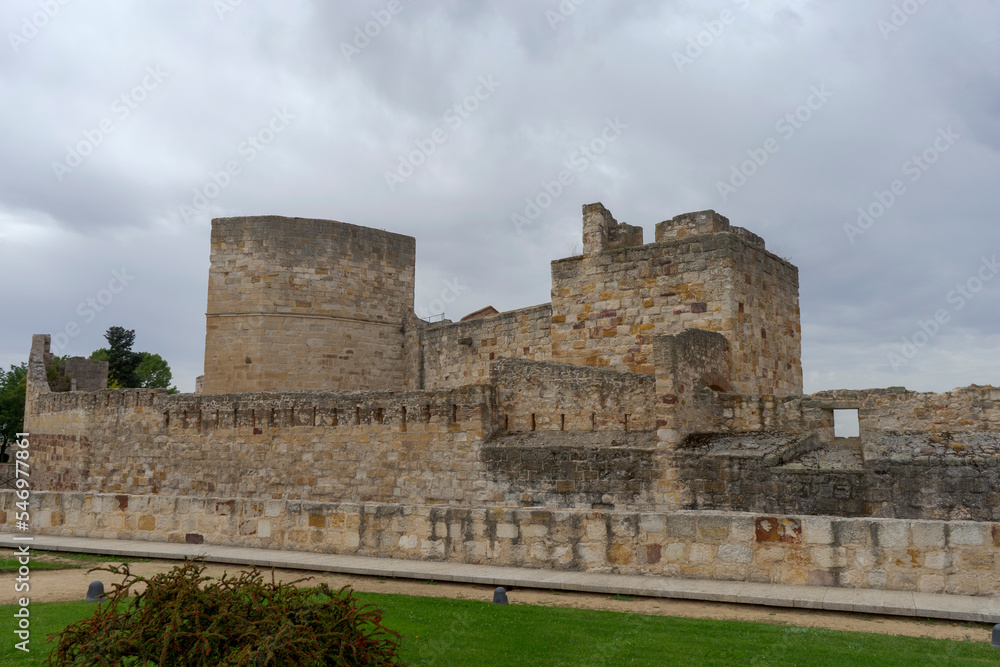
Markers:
point(500, 596)
point(95, 592)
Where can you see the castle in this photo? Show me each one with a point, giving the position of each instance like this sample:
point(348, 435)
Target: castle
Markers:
point(649, 419)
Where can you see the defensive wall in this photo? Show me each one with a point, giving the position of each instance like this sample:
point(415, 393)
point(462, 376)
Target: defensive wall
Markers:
point(306, 304)
point(300, 304)
point(648, 420)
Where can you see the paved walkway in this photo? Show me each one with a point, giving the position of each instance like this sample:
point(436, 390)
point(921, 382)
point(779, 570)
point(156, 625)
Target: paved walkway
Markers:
point(868, 601)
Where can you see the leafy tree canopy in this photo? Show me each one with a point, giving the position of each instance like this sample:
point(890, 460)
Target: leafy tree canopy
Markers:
point(153, 371)
point(13, 385)
point(150, 370)
point(122, 361)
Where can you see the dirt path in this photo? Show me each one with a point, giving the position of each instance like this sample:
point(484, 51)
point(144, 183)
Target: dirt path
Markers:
point(71, 584)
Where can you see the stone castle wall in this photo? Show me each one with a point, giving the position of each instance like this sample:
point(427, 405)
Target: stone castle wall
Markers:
point(604, 430)
point(306, 304)
point(458, 353)
point(609, 303)
point(362, 446)
point(299, 304)
point(957, 557)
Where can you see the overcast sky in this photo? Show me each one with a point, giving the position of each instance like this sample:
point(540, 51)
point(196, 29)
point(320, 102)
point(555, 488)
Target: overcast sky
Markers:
point(127, 126)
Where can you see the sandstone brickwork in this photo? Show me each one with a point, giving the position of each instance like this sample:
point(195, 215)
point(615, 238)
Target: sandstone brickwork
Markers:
point(701, 273)
point(306, 304)
point(959, 557)
point(648, 420)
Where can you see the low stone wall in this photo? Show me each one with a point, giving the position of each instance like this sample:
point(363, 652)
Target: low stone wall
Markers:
point(959, 557)
point(548, 396)
point(459, 353)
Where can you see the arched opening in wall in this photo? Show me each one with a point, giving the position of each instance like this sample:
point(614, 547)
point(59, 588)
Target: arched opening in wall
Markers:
point(846, 424)
point(715, 382)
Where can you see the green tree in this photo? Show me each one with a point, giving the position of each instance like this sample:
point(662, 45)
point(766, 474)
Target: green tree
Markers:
point(13, 386)
point(122, 361)
point(153, 371)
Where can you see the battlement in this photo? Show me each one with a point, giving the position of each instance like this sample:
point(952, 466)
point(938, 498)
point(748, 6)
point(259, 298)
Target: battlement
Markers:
point(702, 222)
point(602, 232)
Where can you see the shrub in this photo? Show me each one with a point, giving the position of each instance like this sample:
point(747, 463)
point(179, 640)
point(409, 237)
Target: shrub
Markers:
point(184, 618)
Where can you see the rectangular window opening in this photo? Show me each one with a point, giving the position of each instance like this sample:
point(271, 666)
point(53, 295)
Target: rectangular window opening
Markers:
point(845, 424)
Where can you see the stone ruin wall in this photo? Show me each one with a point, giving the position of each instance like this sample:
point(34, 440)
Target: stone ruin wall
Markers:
point(426, 446)
point(459, 353)
point(478, 444)
point(958, 557)
point(306, 304)
point(701, 273)
point(608, 304)
point(919, 455)
point(338, 472)
point(540, 434)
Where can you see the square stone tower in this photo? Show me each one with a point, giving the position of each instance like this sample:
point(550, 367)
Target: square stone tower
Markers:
point(302, 304)
point(700, 272)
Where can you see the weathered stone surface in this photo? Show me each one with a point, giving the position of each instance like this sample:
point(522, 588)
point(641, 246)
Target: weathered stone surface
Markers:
point(509, 537)
point(646, 420)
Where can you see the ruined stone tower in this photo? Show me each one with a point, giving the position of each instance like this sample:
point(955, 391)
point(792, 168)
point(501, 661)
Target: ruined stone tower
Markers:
point(295, 303)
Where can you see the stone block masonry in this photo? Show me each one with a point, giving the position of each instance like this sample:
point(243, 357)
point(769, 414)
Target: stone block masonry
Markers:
point(306, 304)
point(297, 304)
point(701, 273)
point(957, 557)
point(648, 420)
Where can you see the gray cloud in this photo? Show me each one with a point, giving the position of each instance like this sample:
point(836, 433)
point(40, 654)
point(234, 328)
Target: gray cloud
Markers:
point(687, 127)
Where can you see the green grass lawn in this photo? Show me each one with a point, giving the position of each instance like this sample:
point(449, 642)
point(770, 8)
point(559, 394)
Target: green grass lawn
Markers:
point(79, 560)
point(12, 564)
point(443, 631)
